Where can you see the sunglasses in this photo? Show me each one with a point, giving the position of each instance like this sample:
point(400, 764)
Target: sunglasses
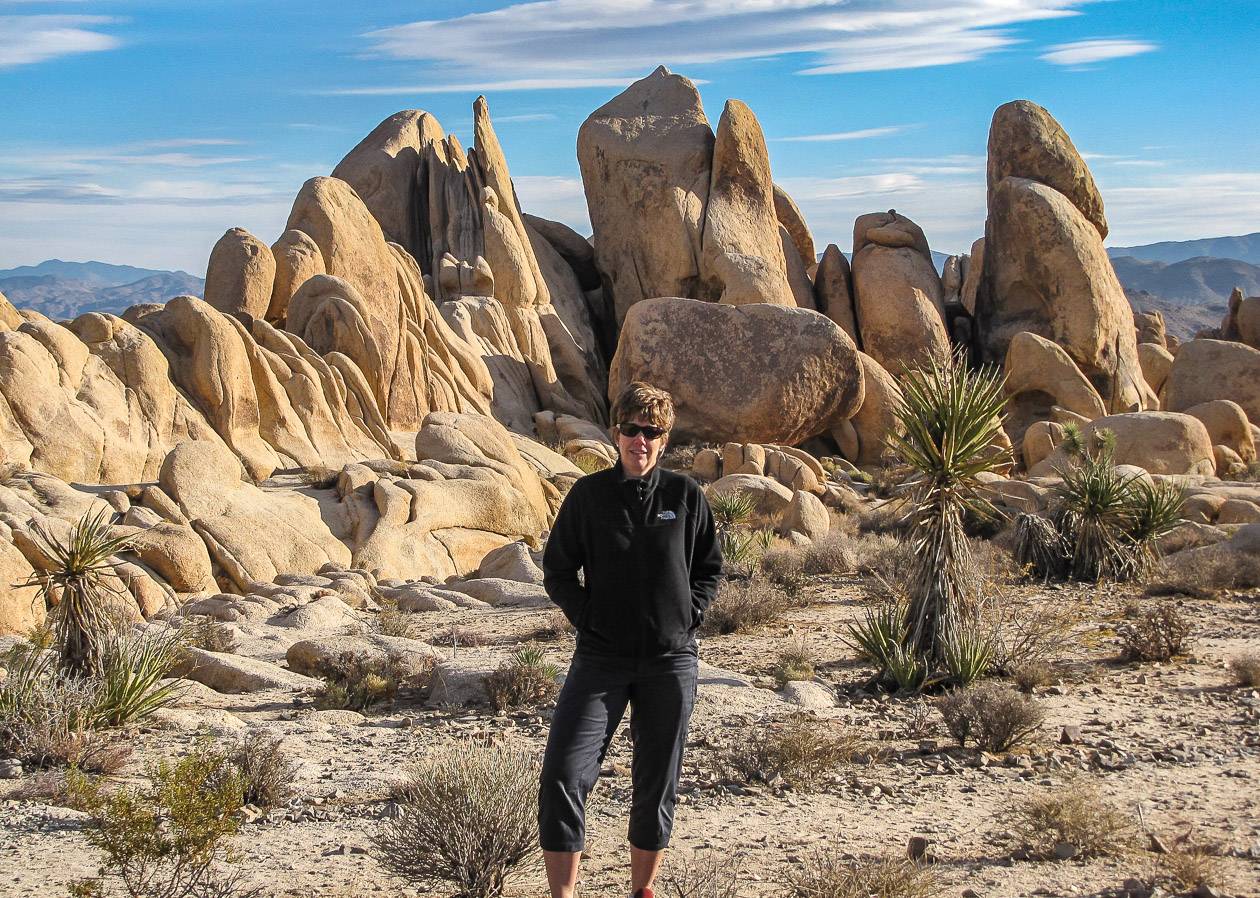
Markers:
point(631, 430)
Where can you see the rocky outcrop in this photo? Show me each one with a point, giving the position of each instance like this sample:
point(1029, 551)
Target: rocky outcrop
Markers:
point(790, 217)
point(1158, 442)
point(833, 291)
point(1040, 376)
point(297, 260)
point(751, 373)
point(1156, 362)
point(1045, 270)
point(742, 258)
point(646, 157)
point(1227, 425)
point(897, 292)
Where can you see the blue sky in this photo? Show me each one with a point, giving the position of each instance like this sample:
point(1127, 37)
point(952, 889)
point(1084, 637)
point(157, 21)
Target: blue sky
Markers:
point(137, 132)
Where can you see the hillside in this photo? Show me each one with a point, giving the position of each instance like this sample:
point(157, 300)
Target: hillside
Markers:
point(64, 290)
point(1245, 248)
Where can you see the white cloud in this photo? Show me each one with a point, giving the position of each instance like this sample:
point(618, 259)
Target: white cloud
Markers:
point(1095, 50)
point(568, 43)
point(25, 40)
point(1182, 207)
point(473, 87)
point(557, 198)
point(862, 134)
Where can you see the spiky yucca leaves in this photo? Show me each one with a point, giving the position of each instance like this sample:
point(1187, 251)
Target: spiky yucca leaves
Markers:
point(732, 508)
point(79, 586)
point(131, 683)
point(1039, 546)
point(1154, 511)
point(950, 418)
point(1093, 517)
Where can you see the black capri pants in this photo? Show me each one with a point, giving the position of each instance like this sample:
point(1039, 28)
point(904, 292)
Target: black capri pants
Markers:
point(661, 692)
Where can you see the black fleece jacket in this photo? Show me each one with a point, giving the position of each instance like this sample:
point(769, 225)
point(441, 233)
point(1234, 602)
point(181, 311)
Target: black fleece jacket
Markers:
point(649, 555)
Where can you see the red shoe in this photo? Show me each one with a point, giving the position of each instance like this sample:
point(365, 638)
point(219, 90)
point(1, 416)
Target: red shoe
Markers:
point(643, 893)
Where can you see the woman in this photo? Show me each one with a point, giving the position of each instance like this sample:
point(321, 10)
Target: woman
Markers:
point(645, 543)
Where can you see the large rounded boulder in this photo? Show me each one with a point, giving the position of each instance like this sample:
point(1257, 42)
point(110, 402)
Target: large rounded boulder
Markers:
point(1159, 442)
point(751, 373)
point(1204, 370)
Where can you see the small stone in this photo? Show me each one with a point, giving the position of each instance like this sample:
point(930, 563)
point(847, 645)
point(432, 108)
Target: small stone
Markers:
point(1065, 851)
point(1070, 735)
point(1203, 890)
point(970, 893)
point(916, 848)
point(1157, 845)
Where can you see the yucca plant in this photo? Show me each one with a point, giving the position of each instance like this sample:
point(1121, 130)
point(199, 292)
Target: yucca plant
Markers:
point(881, 630)
point(1039, 546)
point(79, 588)
point(1073, 442)
point(950, 420)
point(1154, 511)
point(969, 649)
point(1093, 518)
point(132, 669)
point(732, 508)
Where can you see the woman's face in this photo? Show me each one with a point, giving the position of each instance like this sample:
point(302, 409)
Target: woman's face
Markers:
point(638, 453)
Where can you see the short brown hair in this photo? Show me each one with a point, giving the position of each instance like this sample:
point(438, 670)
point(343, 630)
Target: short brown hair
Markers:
point(639, 399)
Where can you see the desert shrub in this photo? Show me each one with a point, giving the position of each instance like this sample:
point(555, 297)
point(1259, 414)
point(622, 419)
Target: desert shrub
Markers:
point(80, 585)
point(881, 630)
point(1074, 814)
point(785, 565)
point(42, 636)
point(554, 626)
point(1029, 675)
point(457, 637)
point(526, 680)
point(1246, 669)
point(169, 839)
point(1191, 868)
point(356, 682)
point(885, 557)
point(992, 715)
point(731, 508)
point(1205, 573)
point(468, 816)
point(799, 750)
point(796, 662)
point(706, 874)
point(263, 772)
point(319, 477)
point(1159, 634)
point(680, 456)
point(590, 462)
point(391, 621)
point(45, 714)
point(743, 547)
point(201, 631)
point(1034, 631)
point(995, 561)
point(1039, 546)
point(742, 606)
point(129, 687)
point(828, 874)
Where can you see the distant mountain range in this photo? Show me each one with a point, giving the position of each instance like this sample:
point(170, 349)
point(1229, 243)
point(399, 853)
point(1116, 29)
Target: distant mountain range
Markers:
point(1188, 280)
point(1245, 249)
point(64, 290)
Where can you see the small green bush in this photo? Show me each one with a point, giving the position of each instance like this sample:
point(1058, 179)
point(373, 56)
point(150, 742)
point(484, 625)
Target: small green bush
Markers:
point(796, 662)
point(130, 686)
point(357, 682)
point(527, 680)
point(201, 631)
point(169, 839)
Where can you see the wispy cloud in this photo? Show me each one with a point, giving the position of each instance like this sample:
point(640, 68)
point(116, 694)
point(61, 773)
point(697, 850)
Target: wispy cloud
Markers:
point(26, 40)
point(474, 87)
point(581, 43)
point(558, 198)
point(1094, 50)
point(862, 134)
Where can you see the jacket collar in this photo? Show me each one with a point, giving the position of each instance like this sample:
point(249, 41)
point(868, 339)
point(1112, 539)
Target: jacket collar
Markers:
point(652, 479)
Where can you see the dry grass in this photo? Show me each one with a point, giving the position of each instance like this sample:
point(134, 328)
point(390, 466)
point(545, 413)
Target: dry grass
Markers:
point(390, 621)
point(265, 772)
point(799, 751)
point(828, 874)
point(744, 605)
point(796, 662)
point(1191, 867)
point(457, 637)
point(319, 477)
point(706, 874)
point(992, 715)
point(1205, 573)
point(1159, 634)
point(1036, 631)
point(1029, 675)
point(358, 682)
point(1074, 814)
point(203, 632)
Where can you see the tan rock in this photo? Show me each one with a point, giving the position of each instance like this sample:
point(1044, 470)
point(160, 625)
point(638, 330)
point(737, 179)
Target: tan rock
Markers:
point(1046, 272)
point(833, 291)
point(1227, 424)
point(21, 607)
point(975, 273)
point(1229, 464)
point(235, 674)
point(645, 158)
point(251, 534)
point(1247, 321)
point(9, 317)
point(772, 498)
point(1158, 442)
point(240, 274)
point(891, 230)
point(804, 374)
point(707, 465)
point(897, 297)
point(797, 275)
point(1156, 362)
point(1202, 508)
point(1150, 328)
point(297, 258)
point(1238, 511)
point(744, 458)
point(876, 419)
point(1040, 440)
point(1040, 375)
point(1214, 369)
point(806, 515)
point(1025, 141)
point(790, 216)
